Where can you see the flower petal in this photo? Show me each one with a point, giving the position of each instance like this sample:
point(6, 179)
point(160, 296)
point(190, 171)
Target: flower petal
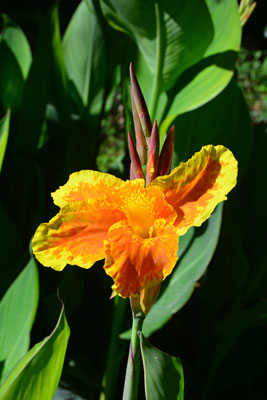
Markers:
point(84, 185)
point(142, 206)
point(76, 234)
point(135, 263)
point(196, 187)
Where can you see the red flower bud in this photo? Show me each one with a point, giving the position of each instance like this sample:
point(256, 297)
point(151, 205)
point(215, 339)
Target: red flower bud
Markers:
point(140, 104)
point(165, 158)
point(153, 155)
point(141, 145)
point(136, 171)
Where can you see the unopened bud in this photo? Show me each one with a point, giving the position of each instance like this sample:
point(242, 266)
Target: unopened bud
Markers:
point(153, 155)
point(140, 104)
point(136, 167)
point(141, 145)
point(148, 296)
point(165, 158)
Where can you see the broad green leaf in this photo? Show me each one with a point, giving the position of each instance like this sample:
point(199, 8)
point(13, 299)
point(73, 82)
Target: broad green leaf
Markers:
point(226, 20)
point(168, 43)
point(192, 71)
point(224, 120)
point(209, 77)
point(85, 57)
point(4, 132)
point(197, 86)
point(163, 373)
point(16, 59)
point(190, 267)
point(17, 312)
point(16, 40)
point(37, 374)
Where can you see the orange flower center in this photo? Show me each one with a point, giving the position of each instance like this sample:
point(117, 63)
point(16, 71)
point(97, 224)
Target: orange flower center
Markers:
point(141, 221)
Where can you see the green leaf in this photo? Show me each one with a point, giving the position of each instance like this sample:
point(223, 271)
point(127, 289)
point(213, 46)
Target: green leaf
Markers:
point(226, 20)
point(224, 120)
point(190, 267)
point(191, 71)
point(85, 59)
point(164, 377)
point(16, 59)
point(14, 37)
point(197, 86)
point(170, 43)
point(208, 77)
point(17, 312)
point(4, 132)
point(37, 375)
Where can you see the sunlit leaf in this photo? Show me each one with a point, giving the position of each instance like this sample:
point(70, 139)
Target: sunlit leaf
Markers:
point(163, 373)
point(191, 71)
point(173, 35)
point(17, 42)
point(15, 55)
point(85, 57)
point(224, 120)
point(4, 132)
point(37, 374)
point(17, 312)
point(209, 77)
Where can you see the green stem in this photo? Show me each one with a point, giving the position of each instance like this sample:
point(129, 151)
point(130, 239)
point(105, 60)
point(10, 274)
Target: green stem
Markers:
point(130, 391)
point(110, 379)
point(159, 59)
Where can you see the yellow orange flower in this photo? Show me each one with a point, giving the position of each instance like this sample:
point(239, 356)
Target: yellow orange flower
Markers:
point(135, 228)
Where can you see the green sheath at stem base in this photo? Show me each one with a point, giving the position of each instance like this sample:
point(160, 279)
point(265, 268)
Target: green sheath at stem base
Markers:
point(130, 391)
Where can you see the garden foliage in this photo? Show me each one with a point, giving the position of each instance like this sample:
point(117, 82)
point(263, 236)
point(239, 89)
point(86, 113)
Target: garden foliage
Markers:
point(64, 97)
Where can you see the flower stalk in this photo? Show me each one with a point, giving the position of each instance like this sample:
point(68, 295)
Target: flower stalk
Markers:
point(131, 383)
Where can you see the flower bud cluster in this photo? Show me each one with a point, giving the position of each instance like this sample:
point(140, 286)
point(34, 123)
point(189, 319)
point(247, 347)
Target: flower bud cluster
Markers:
point(147, 162)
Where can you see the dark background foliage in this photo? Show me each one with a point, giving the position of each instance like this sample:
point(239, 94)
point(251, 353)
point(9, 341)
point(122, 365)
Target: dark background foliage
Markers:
point(220, 334)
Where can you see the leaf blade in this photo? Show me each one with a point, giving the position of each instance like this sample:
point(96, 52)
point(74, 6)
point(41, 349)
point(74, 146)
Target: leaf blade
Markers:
point(4, 133)
point(17, 312)
point(163, 373)
point(37, 375)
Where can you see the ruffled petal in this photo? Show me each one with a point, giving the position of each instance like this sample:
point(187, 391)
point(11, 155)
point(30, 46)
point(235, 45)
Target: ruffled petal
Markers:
point(85, 185)
point(135, 263)
point(196, 187)
point(76, 234)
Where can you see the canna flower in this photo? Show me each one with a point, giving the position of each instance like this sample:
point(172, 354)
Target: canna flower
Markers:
point(136, 228)
point(135, 225)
